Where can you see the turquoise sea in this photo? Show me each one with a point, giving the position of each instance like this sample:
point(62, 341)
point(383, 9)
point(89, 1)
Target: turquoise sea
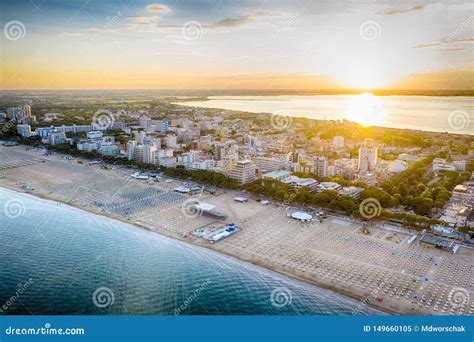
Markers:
point(56, 259)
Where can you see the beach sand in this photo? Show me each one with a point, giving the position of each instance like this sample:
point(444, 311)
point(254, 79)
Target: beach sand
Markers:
point(381, 268)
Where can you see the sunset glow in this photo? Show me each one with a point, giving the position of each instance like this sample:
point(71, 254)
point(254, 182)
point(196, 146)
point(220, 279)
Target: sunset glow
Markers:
point(236, 45)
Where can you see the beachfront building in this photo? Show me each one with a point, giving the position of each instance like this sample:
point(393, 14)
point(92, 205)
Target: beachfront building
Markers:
point(166, 161)
point(297, 182)
point(109, 149)
point(352, 191)
point(325, 186)
point(87, 145)
point(242, 170)
point(279, 175)
point(131, 150)
point(56, 138)
point(149, 154)
point(21, 115)
point(24, 130)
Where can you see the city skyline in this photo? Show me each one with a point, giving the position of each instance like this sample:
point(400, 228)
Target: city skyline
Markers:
point(236, 45)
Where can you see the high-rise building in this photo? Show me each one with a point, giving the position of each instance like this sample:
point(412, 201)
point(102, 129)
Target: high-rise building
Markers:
point(149, 154)
point(24, 130)
point(131, 150)
point(140, 136)
point(139, 153)
point(320, 167)
point(21, 114)
point(368, 156)
point(145, 122)
point(243, 171)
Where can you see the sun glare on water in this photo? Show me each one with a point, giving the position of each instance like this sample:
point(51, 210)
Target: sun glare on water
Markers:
point(365, 109)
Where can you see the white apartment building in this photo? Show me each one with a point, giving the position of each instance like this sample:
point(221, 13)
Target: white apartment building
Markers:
point(278, 175)
point(109, 150)
point(368, 156)
point(149, 154)
point(268, 164)
point(131, 150)
point(243, 171)
point(24, 130)
point(166, 161)
point(320, 166)
point(297, 182)
point(338, 142)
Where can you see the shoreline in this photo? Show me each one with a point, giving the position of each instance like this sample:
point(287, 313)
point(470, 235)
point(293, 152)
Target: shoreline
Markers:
point(333, 254)
point(92, 210)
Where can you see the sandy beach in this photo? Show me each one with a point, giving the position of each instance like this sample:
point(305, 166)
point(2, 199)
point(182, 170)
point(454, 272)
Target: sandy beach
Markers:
point(380, 268)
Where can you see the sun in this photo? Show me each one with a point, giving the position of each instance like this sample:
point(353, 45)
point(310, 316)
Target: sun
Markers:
point(365, 109)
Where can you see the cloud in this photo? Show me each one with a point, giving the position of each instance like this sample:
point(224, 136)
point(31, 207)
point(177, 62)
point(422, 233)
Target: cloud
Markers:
point(229, 23)
point(445, 41)
point(454, 49)
point(157, 8)
point(400, 11)
point(73, 34)
point(143, 20)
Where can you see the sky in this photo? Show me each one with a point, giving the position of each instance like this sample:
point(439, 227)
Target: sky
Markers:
point(237, 44)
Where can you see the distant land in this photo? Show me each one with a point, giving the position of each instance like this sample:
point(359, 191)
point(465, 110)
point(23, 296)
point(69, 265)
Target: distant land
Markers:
point(243, 92)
